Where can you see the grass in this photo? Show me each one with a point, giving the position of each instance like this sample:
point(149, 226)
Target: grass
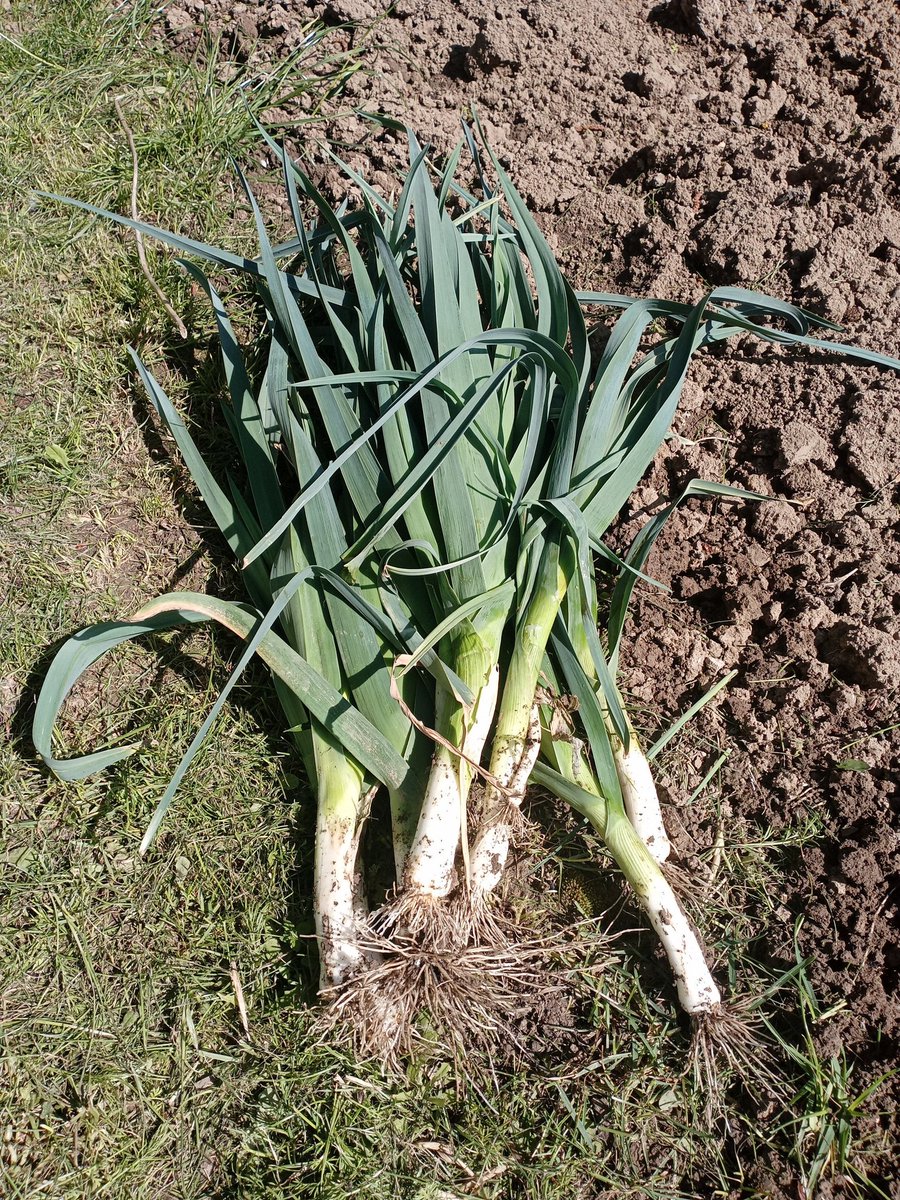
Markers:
point(124, 1068)
point(832, 1120)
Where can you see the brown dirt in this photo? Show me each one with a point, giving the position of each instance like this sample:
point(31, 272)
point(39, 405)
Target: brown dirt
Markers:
point(664, 147)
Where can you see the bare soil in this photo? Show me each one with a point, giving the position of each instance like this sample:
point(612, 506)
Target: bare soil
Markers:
point(666, 147)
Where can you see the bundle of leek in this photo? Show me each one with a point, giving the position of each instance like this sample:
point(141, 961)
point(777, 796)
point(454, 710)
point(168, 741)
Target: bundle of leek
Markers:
point(420, 436)
point(429, 390)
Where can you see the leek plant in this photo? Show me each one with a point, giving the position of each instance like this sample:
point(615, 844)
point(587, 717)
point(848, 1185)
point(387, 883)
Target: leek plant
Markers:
point(605, 775)
point(433, 457)
point(402, 437)
point(624, 412)
point(325, 654)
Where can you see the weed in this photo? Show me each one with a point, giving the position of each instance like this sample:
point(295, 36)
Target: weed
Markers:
point(829, 1114)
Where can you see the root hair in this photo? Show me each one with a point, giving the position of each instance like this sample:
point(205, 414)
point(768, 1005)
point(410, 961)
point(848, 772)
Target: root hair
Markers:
point(471, 981)
point(686, 885)
point(729, 1040)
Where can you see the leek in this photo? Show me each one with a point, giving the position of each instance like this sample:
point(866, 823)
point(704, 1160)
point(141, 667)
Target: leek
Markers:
point(517, 736)
point(698, 993)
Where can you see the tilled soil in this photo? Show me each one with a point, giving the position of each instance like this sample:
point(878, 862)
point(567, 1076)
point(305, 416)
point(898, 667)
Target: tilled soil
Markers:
point(664, 148)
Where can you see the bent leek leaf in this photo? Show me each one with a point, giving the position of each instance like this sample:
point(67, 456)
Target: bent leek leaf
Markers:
point(358, 736)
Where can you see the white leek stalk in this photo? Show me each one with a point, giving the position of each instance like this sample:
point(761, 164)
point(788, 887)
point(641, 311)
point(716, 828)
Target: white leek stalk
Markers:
point(517, 739)
point(639, 794)
point(336, 892)
point(632, 767)
point(431, 860)
point(697, 990)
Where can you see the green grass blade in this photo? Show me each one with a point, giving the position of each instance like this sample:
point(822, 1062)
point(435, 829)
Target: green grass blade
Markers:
point(689, 714)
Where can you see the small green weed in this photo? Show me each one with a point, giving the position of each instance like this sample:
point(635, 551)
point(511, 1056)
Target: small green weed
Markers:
point(831, 1122)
